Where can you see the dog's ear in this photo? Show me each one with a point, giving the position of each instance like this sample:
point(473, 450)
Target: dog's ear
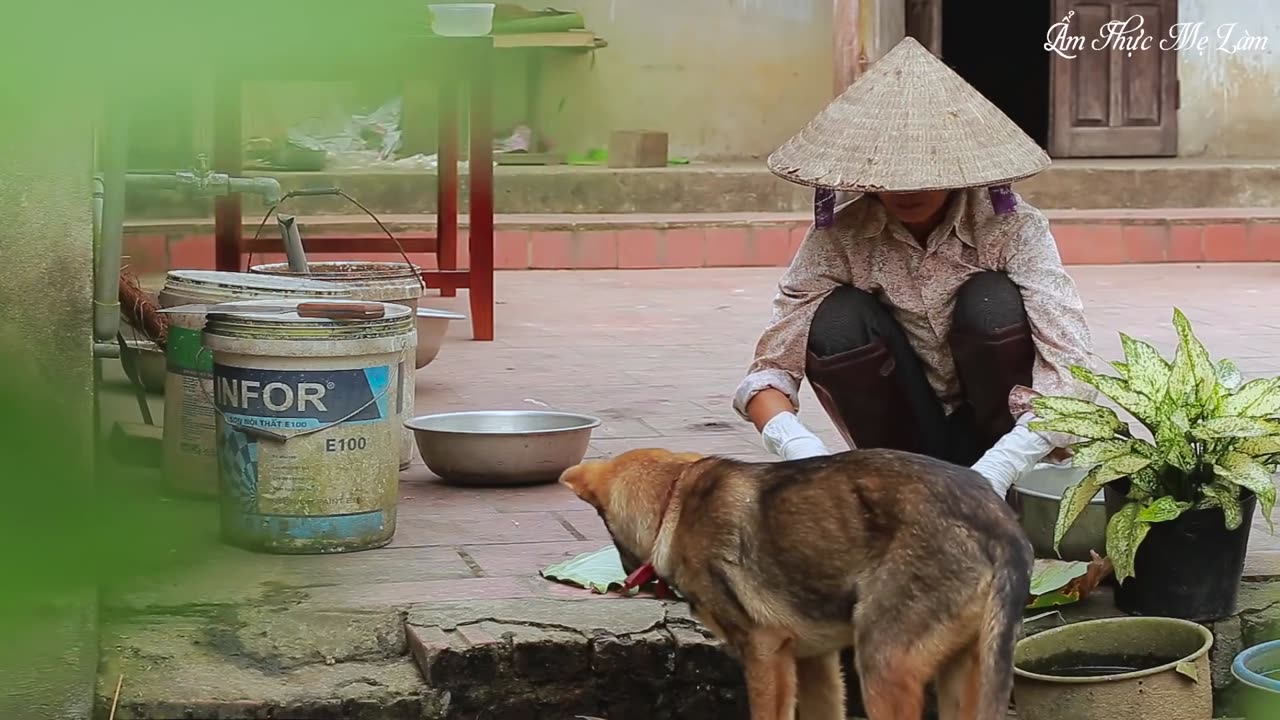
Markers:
point(578, 479)
point(688, 457)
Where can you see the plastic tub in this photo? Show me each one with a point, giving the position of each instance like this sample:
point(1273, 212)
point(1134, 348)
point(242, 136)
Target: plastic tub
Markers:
point(190, 460)
point(462, 19)
point(1257, 672)
point(391, 282)
point(309, 427)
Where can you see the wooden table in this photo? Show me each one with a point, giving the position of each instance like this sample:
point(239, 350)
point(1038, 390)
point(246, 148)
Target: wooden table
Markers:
point(458, 64)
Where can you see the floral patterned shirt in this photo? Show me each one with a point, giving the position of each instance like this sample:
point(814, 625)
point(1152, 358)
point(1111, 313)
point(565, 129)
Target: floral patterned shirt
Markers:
point(870, 250)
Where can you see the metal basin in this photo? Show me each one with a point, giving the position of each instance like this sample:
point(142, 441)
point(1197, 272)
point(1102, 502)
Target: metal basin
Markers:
point(502, 447)
point(149, 362)
point(432, 325)
point(1038, 493)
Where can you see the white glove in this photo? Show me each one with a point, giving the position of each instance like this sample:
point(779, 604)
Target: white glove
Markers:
point(785, 436)
point(1015, 453)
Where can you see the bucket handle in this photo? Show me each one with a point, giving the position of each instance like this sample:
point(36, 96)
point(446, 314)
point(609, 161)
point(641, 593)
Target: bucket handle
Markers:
point(316, 192)
point(273, 436)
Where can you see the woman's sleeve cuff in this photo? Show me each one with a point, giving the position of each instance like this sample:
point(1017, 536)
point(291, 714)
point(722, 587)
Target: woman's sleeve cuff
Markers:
point(779, 380)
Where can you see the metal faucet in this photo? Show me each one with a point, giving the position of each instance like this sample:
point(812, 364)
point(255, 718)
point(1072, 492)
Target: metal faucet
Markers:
point(198, 181)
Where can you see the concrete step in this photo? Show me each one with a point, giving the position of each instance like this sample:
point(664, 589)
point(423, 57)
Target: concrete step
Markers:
point(688, 240)
point(750, 187)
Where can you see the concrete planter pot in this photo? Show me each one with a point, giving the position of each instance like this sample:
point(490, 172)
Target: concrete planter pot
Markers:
point(1257, 674)
point(1131, 668)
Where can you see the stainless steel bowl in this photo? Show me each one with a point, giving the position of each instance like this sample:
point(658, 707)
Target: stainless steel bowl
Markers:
point(432, 325)
point(502, 447)
point(1037, 496)
point(148, 360)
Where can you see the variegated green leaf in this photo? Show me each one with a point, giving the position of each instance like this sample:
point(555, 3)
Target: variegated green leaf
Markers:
point(1125, 533)
point(1144, 484)
point(1229, 375)
point(1256, 446)
point(1091, 453)
point(1051, 407)
point(1122, 466)
point(1074, 500)
point(1148, 371)
point(1093, 428)
point(1242, 470)
point(1173, 443)
point(1257, 398)
point(1142, 407)
point(1202, 368)
point(1227, 497)
point(1181, 390)
point(1234, 427)
point(1163, 510)
point(1122, 368)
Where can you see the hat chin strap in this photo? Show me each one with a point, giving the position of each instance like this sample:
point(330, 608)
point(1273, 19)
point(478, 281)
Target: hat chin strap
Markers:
point(1003, 201)
point(824, 208)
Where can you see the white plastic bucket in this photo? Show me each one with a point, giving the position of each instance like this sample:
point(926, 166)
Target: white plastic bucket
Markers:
point(308, 426)
point(190, 460)
point(391, 282)
point(462, 19)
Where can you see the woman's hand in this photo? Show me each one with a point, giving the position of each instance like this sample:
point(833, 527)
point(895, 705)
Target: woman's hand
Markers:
point(1015, 453)
point(785, 436)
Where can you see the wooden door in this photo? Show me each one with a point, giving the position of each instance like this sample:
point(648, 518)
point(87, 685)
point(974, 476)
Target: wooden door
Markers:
point(1109, 100)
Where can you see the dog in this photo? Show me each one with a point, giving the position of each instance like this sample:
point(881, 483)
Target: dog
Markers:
point(912, 561)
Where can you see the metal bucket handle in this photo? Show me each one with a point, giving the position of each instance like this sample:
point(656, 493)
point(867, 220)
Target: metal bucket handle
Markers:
point(264, 434)
point(317, 192)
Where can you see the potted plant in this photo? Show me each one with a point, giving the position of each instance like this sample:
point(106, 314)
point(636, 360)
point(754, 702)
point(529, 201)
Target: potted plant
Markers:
point(1180, 500)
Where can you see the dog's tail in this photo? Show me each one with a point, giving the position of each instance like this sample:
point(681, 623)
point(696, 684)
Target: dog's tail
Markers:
point(1001, 627)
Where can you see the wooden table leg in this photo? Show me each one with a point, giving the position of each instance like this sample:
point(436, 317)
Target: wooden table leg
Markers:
point(480, 240)
point(447, 176)
point(227, 158)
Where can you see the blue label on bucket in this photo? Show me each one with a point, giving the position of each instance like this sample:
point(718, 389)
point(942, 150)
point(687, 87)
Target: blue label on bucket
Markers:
point(307, 527)
point(301, 399)
point(238, 467)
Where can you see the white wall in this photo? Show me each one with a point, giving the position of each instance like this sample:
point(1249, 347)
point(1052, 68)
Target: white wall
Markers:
point(1231, 102)
point(725, 78)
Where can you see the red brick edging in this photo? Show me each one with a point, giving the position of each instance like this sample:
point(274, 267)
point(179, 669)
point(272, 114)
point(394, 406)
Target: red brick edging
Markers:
point(1084, 237)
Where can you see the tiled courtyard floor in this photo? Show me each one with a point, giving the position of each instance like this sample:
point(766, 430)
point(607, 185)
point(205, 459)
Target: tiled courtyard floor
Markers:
point(655, 355)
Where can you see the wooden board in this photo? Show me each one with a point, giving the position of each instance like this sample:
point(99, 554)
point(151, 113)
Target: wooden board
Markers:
point(528, 158)
point(570, 39)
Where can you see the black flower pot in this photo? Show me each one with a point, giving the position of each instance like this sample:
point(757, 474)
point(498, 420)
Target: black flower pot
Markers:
point(1188, 568)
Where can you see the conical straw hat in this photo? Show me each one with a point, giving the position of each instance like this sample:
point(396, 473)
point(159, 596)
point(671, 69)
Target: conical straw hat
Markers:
point(909, 124)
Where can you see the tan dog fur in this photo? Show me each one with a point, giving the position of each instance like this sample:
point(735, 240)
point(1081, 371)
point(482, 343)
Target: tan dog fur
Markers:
point(912, 561)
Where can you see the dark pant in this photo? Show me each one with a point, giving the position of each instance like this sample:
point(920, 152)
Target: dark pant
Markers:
point(873, 385)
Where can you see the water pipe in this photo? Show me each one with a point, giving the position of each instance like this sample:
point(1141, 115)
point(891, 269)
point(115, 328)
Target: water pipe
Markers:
point(266, 187)
point(113, 154)
point(106, 350)
point(202, 183)
point(109, 195)
point(99, 190)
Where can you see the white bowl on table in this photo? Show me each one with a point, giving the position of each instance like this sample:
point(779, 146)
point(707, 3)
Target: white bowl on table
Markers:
point(462, 19)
